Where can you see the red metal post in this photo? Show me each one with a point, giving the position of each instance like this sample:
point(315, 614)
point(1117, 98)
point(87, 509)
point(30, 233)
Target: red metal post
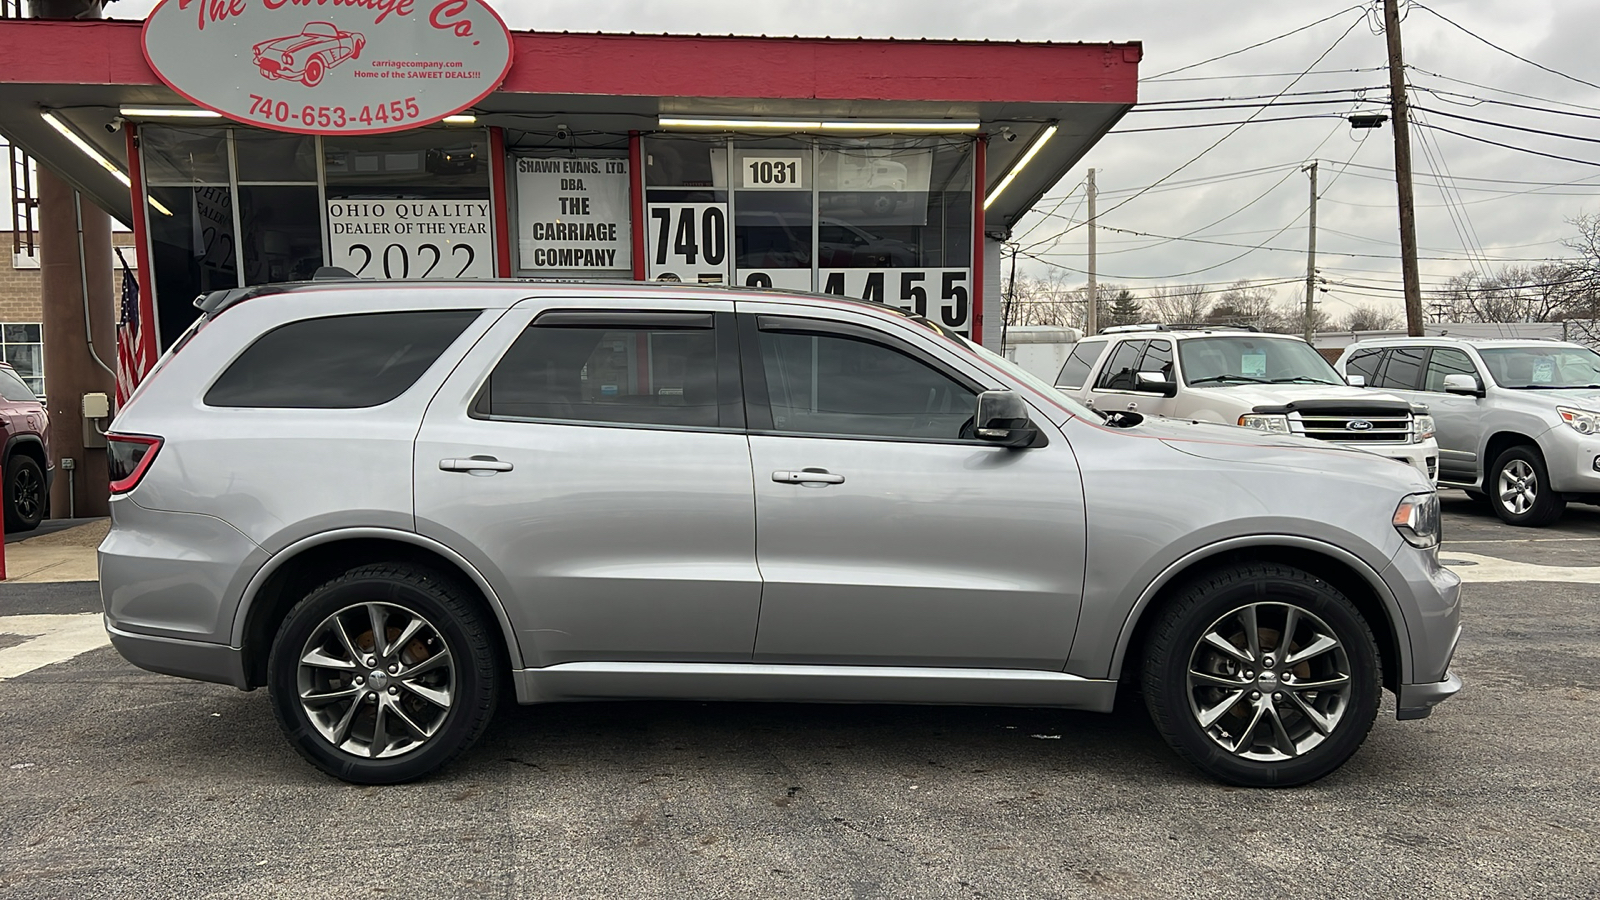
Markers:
point(979, 178)
point(502, 206)
point(636, 201)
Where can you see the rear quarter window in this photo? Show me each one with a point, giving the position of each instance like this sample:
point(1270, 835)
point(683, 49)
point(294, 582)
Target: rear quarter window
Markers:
point(1076, 369)
point(338, 362)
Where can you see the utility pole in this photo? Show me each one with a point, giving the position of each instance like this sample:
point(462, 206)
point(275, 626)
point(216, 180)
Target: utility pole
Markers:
point(1311, 257)
point(1092, 323)
point(1402, 169)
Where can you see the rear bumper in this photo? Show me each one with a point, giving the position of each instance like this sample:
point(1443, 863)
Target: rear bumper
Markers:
point(186, 659)
point(1416, 701)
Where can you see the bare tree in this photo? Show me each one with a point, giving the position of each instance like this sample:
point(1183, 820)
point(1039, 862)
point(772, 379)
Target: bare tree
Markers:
point(1583, 298)
point(1292, 317)
point(1370, 318)
point(1546, 292)
point(1178, 303)
point(1247, 304)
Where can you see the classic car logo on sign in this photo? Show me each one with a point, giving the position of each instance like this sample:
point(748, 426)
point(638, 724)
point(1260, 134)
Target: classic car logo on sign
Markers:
point(364, 67)
point(307, 56)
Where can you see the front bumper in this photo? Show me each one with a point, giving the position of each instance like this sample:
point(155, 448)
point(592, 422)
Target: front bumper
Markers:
point(1423, 457)
point(1416, 701)
point(199, 660)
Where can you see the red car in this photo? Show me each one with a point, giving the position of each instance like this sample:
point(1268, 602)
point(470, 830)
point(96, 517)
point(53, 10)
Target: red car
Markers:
point(25, 429)
point(309, 55)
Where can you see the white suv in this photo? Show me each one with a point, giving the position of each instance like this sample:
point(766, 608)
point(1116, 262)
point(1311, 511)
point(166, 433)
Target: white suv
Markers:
point(1272, 382)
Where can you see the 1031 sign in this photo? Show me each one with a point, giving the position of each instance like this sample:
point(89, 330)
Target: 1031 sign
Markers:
point(940, 295)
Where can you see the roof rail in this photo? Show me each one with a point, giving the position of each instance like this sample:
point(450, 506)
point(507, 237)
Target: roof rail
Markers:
point(1209, 326)
point(1124, 329)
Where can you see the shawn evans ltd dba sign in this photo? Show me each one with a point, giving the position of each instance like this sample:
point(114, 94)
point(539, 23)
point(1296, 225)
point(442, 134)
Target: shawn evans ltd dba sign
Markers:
point(329, 66)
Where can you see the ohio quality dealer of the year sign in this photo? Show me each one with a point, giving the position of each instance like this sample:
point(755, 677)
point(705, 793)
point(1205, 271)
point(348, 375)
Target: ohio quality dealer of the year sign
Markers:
point(329, 66)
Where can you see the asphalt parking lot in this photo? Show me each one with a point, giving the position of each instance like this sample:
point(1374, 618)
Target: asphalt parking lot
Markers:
point(115, 782)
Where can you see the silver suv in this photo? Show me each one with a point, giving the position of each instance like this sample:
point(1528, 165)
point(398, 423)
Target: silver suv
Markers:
point(1518, 421)
point(389, 503)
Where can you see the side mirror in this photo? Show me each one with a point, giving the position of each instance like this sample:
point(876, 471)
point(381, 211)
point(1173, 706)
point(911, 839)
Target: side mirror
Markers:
point(1002, 419)
point(1155, 383)
point(1356, 380)
point(1463, 384)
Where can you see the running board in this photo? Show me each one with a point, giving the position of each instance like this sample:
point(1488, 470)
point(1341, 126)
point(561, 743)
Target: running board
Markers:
point(811, 684)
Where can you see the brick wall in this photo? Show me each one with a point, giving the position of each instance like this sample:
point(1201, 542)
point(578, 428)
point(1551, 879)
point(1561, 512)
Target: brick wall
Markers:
point(19, 287)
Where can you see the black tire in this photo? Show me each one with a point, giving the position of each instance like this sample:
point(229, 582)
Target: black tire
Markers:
point(1217, 602)
point(25, 496)
point(469, 677)
point(1518, 485)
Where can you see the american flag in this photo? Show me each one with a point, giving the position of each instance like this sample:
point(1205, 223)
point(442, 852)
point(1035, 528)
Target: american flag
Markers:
point(133, 356)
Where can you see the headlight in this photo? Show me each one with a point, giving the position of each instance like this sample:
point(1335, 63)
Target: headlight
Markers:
point(1580, 420)
point(1421, 428)
point(288, 59)
point(1274, 424)
point(1417, 520)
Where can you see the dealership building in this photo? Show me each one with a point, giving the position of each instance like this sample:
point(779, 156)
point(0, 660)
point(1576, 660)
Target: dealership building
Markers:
point(248, 142)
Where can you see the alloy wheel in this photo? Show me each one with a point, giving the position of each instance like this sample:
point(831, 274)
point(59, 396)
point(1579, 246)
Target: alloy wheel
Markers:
point(376, 680)
point(27, 494)
point(1519, 486)
point(1269, 682)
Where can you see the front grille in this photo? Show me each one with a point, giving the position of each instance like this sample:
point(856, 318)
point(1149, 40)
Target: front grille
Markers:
point(1345, 426)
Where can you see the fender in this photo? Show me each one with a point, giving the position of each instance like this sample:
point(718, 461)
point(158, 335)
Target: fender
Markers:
point(241, 616)
point(1356, 564)
point(17, 440)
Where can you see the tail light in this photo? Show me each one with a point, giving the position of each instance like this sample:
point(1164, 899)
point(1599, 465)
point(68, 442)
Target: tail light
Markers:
point(129, 456)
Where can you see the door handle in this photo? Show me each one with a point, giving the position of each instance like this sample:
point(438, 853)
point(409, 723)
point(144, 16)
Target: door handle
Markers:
point(477, 465)
point(807, 476)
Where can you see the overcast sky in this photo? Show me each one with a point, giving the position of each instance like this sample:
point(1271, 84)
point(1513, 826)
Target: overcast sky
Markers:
point(1486, 222)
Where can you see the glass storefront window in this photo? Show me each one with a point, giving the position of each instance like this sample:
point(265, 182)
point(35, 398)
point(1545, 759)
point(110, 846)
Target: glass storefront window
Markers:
point(23, 348)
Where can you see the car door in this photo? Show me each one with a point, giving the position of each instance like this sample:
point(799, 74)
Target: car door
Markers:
point(1112, 386)
point(886, 534)
point(1456, 417)
point(1115, 386)
point(591, 461)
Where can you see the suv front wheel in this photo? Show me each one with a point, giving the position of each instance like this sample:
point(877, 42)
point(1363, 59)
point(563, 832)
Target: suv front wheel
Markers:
point(1519, 489)
point(1262, 675)
point(25, 497)
point(383, 674)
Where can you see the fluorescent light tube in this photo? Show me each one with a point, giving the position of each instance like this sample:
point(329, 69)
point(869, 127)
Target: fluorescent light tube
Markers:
point(1027, 157)
point(818, 125)
point(463, 119)
point(168, 112)
point(88, 150)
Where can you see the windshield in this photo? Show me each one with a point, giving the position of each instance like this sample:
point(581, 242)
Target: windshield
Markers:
point(1238, 360)
point(1543, 367)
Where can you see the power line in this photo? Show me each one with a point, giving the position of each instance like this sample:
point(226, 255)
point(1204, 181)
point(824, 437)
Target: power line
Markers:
point(1446, 95)
point(1324, 92)
point(1275, 74)
point(1218, 142)
point(1251, 47)
point(1242, 122)
point(1558, 134)
point(1490, 43)
point(1484, 140)
point(1485, 87)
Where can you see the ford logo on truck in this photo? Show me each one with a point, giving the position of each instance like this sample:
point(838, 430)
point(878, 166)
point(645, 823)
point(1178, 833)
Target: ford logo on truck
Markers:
point(1358, 425)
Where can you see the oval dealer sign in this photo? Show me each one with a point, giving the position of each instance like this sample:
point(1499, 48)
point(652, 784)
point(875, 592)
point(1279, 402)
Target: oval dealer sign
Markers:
point(329, 66)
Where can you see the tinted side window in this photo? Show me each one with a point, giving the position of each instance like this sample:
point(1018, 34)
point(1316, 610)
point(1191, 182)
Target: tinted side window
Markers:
point(615, 374)
point(1118, 373)
point(1364, 364)
point(13, 389)
point(1401, 367)
point(1158, 358)
point(338, 362)
point(1076, 369)
point(831, 384)
point(1446, 361)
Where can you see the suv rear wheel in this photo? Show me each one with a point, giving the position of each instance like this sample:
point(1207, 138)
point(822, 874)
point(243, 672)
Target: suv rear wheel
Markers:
point(25, 498)
point(383, 674)
point(1519, 489)
point(1263, 675)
